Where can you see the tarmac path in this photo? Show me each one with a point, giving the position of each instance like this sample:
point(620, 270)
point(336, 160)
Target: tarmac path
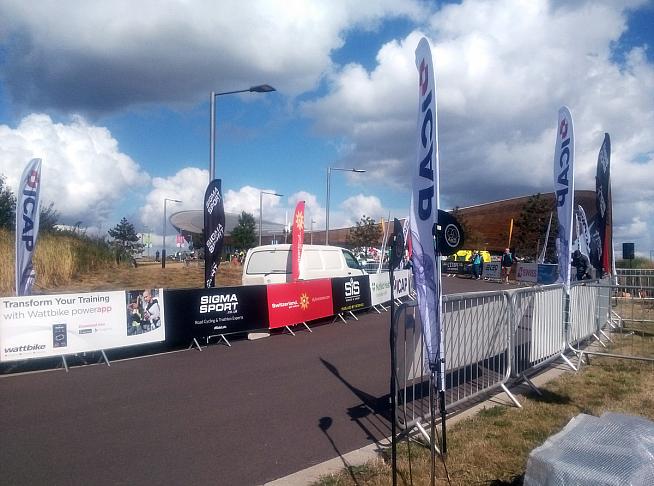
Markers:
point(244, 415)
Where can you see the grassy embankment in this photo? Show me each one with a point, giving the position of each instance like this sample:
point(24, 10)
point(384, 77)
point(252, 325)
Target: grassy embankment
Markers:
point(493, 446)
point(66, 263)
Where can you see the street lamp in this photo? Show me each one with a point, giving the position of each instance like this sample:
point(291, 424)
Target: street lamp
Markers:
point(261, 193)
point(329, 173)
point(163, 251)
point(262, 88)
point(312, 221)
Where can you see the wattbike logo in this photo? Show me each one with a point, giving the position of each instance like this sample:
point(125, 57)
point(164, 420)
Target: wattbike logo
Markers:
point(352, 288)
point(25, 348)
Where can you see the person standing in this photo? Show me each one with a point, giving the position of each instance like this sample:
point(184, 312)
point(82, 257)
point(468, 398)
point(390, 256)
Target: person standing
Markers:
point(582, 264)
point(507, 263)
point(476, 265)
point(152, 311)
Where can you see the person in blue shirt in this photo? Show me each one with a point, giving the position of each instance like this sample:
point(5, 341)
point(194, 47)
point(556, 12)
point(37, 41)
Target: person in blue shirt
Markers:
point(476, 265)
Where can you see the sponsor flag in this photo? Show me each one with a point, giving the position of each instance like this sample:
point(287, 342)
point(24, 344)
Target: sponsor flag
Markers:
point(583, 234)
point(27, 226)
point(424, 209)
point(214, 231)
point(543, 251)
point(604, 216)
point(564, 190)
point(297, 240)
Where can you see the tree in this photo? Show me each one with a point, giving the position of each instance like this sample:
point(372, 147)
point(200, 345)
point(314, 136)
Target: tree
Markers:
point(125, 244)
point(7, 205)
point(366, 233)
point(531, 226)
point(243, 236)
point(48, 218)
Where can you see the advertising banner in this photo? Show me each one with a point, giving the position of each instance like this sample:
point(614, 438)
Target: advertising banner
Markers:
point(564, 189)
point(298, 240)
point(492, 270)
point(27, 225)
point(301, 301)
point(527, 272)
point(547, 274)
point(199, 313)
point(380, 288)
point(350, 293)
point(603, 200)
point(424, 207)
point(453, 267)
point(55, 325)
point(401, 283)
point(214, 231)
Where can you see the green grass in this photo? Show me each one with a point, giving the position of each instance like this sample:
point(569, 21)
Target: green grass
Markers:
point(493, 446)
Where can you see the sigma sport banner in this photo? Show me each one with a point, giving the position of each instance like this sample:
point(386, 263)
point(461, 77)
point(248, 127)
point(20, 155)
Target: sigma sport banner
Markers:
point(27, 225)
point(603, 219)
point(564, 188)
point(214, 231)
point(424, 207)
point(199, 313)
point(55, 325)
point(350, 293)
point(301, 301)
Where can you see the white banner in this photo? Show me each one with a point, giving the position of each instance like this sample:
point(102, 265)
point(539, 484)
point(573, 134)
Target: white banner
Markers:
point(380, 286)
point(564, 188)
point(424, 209)
point(53, 325)
point(27, 225)
point(527, 272)
point(492, 270)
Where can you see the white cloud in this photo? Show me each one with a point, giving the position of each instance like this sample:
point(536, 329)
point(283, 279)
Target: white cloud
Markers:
point(503, 69)
point(90, 56)
point(84, 172)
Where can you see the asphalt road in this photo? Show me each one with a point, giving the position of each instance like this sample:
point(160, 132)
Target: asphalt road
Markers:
point(248, 414)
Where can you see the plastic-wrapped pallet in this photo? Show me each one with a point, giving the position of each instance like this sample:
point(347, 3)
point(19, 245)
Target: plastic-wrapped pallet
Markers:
point(613, 449)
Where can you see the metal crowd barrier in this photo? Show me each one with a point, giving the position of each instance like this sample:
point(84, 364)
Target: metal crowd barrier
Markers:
point(538, 334)
point(635, 277)
point(492, 337)
point(477, 338)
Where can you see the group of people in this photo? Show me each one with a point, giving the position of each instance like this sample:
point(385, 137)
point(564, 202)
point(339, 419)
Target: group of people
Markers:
point(477, 261)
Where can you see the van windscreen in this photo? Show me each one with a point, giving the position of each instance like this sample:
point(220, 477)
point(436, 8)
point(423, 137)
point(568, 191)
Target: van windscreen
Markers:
point(274, 261)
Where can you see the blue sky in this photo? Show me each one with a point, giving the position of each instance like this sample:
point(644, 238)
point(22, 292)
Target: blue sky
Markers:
point(114, 96)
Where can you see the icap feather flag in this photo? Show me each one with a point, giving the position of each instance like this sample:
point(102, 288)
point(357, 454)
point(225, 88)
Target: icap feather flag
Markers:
point(297, 240)
point(564, 190)
point(424, 209)
point(27, 226)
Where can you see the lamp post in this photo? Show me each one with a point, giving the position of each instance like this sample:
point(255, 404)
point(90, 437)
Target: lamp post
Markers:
point(261, 88)
point(261, 193)
point(329, 173)
point(312, 221)
point(163, 251)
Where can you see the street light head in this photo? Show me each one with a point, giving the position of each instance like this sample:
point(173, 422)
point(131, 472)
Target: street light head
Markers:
point(262, 88)
point(358, 170)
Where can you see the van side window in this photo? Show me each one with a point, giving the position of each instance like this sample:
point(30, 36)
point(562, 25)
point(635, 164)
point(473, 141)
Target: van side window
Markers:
point(351, 261)
point(264, 262)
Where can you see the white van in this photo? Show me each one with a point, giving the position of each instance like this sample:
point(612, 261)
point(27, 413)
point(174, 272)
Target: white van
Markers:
point(272, 263)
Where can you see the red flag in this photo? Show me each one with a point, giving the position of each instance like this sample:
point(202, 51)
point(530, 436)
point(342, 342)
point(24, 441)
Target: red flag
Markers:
point(298, 240)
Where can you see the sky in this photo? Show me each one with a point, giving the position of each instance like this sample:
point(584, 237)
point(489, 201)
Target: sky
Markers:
point(114, 97)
